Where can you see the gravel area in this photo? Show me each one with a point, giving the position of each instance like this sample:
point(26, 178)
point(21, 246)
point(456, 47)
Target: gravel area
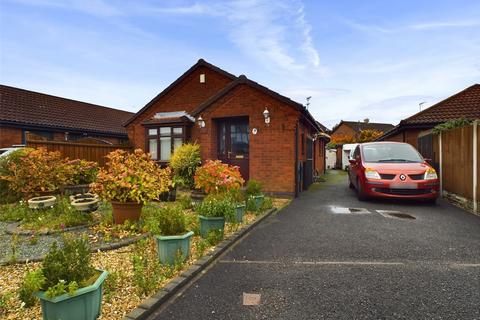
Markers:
point(121, 301)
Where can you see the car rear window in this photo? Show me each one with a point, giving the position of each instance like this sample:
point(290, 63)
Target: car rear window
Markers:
point(390, 153)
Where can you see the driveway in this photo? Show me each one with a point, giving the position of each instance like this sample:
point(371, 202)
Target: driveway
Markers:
point(314, 261)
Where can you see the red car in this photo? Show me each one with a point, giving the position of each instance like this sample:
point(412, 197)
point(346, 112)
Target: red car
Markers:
point(392, 170)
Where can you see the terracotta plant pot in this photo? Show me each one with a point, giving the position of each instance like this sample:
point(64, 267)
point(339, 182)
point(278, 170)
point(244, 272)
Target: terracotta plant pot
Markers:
point(123, 211)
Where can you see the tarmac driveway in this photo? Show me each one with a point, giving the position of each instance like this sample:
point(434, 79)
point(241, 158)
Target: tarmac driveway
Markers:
point(318, 259)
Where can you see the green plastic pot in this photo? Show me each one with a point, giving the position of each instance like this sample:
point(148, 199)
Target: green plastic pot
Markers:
point(85, 304)
point(169, 246)
point(240, 211)
point(208, 224)
point(258, 201)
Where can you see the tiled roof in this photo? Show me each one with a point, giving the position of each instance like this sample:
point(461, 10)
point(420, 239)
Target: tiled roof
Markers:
point(465, 104)
point(358, 126)
point(23, 107)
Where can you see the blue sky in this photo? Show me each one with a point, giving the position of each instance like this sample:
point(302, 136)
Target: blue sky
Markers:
point(357, 59)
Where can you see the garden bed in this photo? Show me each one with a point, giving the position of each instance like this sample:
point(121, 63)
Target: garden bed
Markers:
point(124, 288)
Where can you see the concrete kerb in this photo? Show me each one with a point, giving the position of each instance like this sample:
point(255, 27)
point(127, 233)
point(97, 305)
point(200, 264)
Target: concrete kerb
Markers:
point(148, 306)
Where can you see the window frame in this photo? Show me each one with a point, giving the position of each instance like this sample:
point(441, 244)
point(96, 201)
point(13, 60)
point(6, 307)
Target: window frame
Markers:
point(157, 137)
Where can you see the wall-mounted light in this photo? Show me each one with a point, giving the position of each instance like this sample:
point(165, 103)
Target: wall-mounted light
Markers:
point(266, 115)
point(201, 122)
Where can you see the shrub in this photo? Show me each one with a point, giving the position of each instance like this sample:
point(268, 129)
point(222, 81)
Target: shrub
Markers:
point(172, 221)
point(254, 188)
point(131, 177)
point(184, 162)
point(7, 195)
point(451, 124)
point(81, 171)
point(237, 195)
point(63, 271)
point(147, 271)
point(215, 176)
point(217, 205)
point(48, 168)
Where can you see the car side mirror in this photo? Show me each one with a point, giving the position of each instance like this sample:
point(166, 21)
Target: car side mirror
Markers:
point(352, 161)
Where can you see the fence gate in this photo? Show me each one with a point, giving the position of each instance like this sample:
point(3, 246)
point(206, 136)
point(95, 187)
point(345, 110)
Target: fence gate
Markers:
point(425, 147)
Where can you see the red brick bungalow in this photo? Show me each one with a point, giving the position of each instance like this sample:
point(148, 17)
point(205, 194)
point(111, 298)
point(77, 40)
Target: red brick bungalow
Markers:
point(270, 137)
point(45, 117)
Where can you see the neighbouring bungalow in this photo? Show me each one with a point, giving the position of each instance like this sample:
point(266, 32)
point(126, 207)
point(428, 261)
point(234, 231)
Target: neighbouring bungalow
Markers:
point(350, 131)
point(417, 129)
point(38, 116)
point(271, 138)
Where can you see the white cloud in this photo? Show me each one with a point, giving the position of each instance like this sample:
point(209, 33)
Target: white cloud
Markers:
point(445, 24)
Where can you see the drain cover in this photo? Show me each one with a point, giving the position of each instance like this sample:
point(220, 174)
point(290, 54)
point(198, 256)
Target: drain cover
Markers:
point(342, 210)
point(395, 214)
point(401, 216)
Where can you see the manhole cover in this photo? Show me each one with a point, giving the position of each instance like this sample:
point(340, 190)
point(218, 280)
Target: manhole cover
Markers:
point(401, 216)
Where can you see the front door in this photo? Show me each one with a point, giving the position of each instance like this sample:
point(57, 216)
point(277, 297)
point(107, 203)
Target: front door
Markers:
point(233, 143)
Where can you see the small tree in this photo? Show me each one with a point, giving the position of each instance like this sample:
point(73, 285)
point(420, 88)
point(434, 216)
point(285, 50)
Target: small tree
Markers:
point(368, 135)
point(342, 138)
point(184, 162)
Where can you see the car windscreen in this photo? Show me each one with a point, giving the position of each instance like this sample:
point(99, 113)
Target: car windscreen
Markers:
point(390, 153)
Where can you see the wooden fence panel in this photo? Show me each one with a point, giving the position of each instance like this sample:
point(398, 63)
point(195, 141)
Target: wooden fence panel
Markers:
point(85, 151)
point(457, 168)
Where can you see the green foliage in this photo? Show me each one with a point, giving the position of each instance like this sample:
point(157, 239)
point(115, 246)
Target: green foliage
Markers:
point(111, 284)
point(237, 195)
point(184, 162)
point(185, 202)
point(452, 124)
point(62, 287)
point(171, 221)
point(72, 263)
point(61, 215)
point(82, 171)
point(212, 239)
point(217, 205)
point(254, 188)
point(251, 204)
point(33, 282)
point(146, 270)
point(267, 204)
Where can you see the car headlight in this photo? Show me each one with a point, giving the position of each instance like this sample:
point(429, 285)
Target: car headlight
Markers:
point(430, 174)
point(371, 174)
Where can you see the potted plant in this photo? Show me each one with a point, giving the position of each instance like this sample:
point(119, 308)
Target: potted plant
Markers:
point(85, 204)
point(67, 284)
point(81, 174)
point(238, 196)
point(213, 211)
point(217, 177)
point(255, 196)
point(173, 239)
point(128, 181)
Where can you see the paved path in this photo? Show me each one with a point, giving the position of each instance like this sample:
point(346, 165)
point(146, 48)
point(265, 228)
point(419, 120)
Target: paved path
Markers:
point(307, 262)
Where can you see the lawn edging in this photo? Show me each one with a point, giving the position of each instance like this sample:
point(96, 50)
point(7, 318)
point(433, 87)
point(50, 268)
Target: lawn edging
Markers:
point(148, 306)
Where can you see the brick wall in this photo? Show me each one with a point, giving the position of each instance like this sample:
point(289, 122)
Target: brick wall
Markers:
point(10, 136)
point(272, 149)
point(343, 130)
point(185, 96)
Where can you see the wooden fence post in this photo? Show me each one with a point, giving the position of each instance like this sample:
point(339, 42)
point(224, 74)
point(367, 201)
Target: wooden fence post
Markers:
point(475, 166)
point(440, 160)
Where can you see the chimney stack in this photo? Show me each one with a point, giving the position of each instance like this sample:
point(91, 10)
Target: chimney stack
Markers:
point(366, 120)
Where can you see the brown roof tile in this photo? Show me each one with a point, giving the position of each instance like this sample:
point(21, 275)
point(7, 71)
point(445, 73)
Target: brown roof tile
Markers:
point(464, 104)
point(23, 107)
point(358, 126)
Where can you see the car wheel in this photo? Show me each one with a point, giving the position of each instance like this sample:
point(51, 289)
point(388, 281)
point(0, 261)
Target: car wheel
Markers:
point(360, 195)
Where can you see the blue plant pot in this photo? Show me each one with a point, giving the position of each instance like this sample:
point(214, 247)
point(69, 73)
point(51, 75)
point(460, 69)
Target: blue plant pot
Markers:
point(170, 248)
point(85, 304)
point(240, 212)
point(207, 224)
